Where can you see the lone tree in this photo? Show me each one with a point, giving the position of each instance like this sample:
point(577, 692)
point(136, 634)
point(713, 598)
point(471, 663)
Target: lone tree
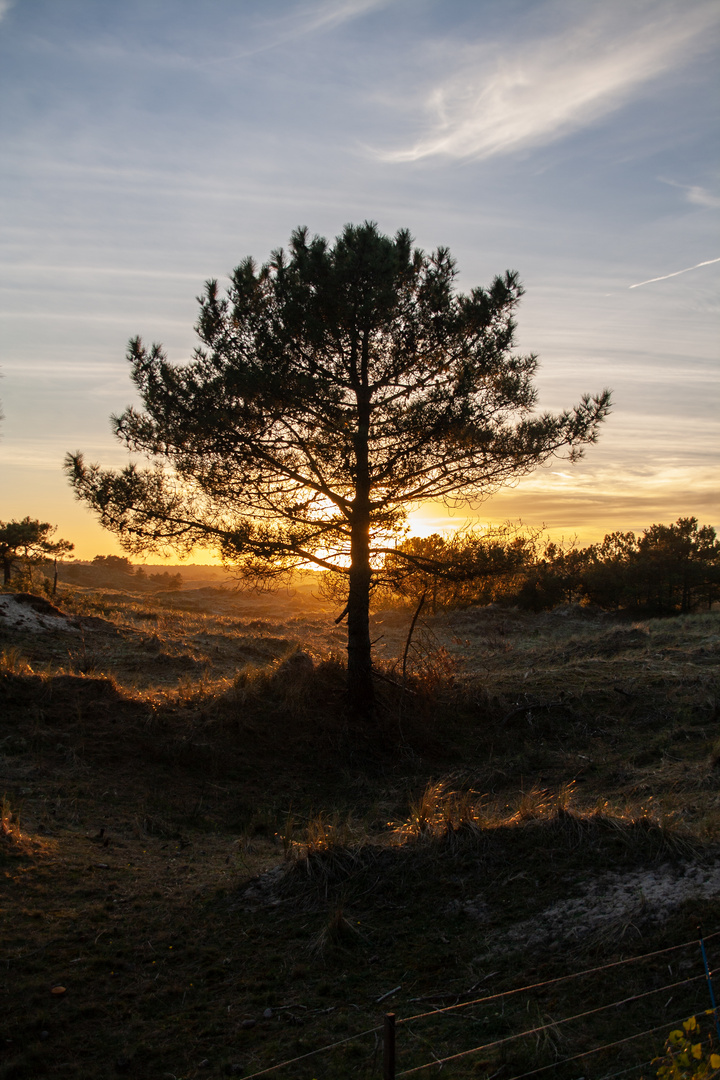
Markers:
point(334, 388)
point(28, 541)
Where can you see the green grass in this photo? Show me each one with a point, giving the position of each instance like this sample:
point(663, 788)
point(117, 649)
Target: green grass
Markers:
point(194, 834)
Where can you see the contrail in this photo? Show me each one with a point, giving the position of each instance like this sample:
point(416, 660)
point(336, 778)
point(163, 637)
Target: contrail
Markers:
point(675, 274)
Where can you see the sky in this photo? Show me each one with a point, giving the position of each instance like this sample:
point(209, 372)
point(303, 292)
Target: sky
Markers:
point(151, 144)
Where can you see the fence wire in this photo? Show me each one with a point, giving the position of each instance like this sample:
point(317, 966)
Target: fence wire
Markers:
point(553, 1024)
point(551, 982)
point(597, 1050)
point(533, 1031)
point(312, 1053)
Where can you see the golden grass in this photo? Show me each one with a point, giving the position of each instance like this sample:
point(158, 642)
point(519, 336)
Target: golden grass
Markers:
point(213, 756)
point(13, 662)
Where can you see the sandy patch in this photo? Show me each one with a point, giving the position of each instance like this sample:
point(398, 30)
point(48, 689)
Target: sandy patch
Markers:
point(27, 614)
point(610, 905)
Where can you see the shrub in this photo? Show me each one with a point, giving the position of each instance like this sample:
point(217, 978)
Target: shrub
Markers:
point(685, 1057)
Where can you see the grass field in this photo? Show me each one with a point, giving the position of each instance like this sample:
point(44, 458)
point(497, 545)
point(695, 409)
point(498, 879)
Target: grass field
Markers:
point(222, 872)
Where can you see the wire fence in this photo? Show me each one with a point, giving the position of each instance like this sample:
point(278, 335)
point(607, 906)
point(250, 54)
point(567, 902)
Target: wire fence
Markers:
point(392, 1024)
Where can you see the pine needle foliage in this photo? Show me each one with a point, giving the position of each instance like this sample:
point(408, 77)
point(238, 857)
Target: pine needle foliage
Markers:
point(335, 387)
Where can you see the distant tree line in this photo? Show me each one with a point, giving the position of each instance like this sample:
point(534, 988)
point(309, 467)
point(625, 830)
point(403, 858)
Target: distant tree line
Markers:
point(118, 571)
point(669, 569)
point(28, 553)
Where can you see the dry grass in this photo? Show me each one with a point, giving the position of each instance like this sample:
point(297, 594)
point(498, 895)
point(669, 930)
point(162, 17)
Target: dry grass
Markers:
point(7, 831)
point(12, 662)
point(205, 838)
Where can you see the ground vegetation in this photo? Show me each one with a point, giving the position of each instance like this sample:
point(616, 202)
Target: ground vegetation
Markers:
point(205, 870)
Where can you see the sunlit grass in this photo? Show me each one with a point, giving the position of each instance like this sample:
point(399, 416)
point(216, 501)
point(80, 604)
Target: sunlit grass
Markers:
point(445, 811)
point(178, 759)
point(14, 662)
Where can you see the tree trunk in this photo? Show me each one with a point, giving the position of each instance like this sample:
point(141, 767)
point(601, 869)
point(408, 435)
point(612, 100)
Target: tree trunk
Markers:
point(360, 685)
point(7, 569)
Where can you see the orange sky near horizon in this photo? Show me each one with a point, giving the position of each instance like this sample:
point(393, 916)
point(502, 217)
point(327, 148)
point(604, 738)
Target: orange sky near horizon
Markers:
point(567, 502)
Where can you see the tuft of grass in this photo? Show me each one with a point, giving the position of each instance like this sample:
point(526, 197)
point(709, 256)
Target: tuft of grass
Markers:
point(13, 841)
point(327, 831)
point(294, 685)
point(338, 934)
point(333, 850)
point(14, 662)
point(442, 810)
point(9, 826)
point(714, 756)
point(445, 812)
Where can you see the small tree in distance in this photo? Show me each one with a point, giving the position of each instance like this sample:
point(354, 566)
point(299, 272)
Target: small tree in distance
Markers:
point(28, 541)
point(334, 389)
point(114, 564)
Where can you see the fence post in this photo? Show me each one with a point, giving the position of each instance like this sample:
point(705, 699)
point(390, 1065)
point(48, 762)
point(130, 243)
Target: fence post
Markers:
point(389, 1047)
point(708, 977)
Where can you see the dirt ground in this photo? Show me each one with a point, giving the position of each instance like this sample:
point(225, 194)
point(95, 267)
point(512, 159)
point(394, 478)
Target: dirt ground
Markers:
point(206, 869)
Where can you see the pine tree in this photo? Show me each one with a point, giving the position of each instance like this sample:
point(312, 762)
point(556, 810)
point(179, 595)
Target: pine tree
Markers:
point(28, 540)
point(334, 388)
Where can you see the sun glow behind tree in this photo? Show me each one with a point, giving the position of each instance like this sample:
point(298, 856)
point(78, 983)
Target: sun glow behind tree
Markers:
point(334, 389)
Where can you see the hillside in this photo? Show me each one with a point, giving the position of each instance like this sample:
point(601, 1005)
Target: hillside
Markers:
point(222, 873)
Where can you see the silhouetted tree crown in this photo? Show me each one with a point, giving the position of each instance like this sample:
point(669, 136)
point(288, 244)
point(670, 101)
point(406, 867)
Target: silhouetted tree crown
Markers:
point(29, 541)
point(669, 569)
point(334, 388)
point(114, 564)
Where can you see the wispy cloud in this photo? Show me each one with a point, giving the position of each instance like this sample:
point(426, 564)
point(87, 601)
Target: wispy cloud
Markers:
point(5, 6)
point(591, 503)
point(335, 12)
point(507, 97)
point(675, 273)
point(702, 197)
point(303, 21)
point(695, 194)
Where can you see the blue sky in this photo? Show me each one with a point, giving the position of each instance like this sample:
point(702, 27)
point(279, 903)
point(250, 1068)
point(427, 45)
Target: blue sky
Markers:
point(150, 145)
